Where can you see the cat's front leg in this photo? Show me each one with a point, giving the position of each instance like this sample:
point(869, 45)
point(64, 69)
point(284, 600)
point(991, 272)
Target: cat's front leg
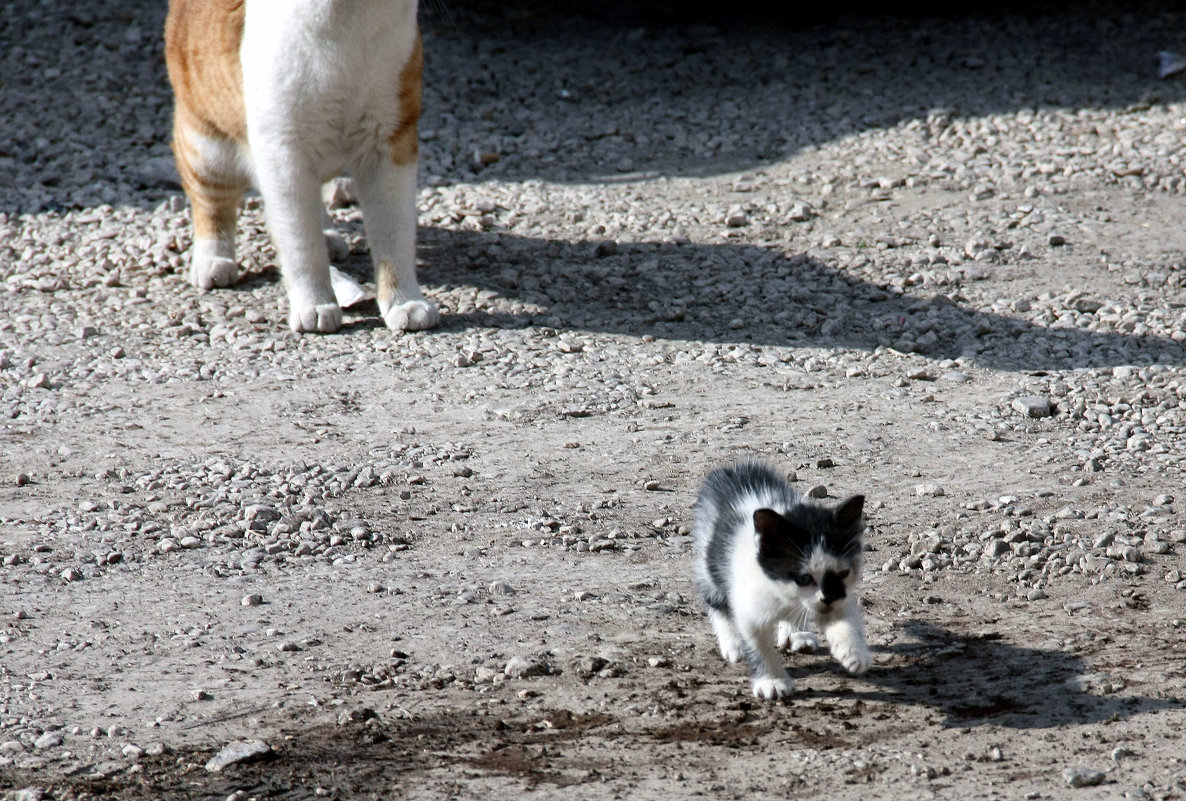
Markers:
point(770, 677)
point(845, 633)
point(292, 205)
point(388, 196)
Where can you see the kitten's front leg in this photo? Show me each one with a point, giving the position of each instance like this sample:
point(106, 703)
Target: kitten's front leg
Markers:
point(388, 196)
point(845, 633)
point(770, 677)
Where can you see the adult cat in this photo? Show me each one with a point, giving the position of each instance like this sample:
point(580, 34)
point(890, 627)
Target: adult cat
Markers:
point(288, 94)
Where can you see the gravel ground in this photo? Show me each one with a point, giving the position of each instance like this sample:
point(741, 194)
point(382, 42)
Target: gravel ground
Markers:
point(935, 260)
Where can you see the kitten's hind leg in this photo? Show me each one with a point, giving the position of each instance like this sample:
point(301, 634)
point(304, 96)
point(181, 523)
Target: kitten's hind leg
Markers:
point(214, 182)
point(796, 640)
point(727, 636)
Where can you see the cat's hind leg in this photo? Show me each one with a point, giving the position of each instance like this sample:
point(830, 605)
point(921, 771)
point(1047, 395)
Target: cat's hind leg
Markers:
point(795, 639)
point(727, 637)
point(386, 185)
point(214, 180)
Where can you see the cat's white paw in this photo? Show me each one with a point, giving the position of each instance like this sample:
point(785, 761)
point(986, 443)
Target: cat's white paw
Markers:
point(771, 688)
point(731, 652)
point(207, 272)
point(794, 640)
point(412, 315)
point(803, 642)
point(324, 318)
point(854, 657)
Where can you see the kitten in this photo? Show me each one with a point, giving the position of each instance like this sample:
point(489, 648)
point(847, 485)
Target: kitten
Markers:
point(287, 94)
point(769, 563)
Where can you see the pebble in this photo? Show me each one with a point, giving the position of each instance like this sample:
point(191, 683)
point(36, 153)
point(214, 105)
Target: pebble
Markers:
point(237, 752)
point(929, 490)
point(1032, 406)
point(252, 599)
point(1082, 777)
point(518, 667)
point(50, 739)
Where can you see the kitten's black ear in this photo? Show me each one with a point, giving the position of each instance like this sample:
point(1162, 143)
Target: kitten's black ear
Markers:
point(775, 535)
point(849, 515)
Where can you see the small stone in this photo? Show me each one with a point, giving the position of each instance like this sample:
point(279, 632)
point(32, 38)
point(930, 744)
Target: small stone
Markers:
point(519, 667)
point(287, 646)
point(996, 548)
point(1163, 500)
point(167, 545)
point(1082, 777)
point(658, 662)
point(501, 588)
point(51, 739)
point(70, 574)
point(21, 479)
point(29, 794)
point(252, 599)
point(132, 751)
point(818, 491)
point(1032, 406)
point(238, 752)
point(1057, 240)
point(1036, 595)
point(650, 486)
point(929, 491)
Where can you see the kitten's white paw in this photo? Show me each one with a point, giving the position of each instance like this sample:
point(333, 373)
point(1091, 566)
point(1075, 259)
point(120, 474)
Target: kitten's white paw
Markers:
point(855, 658)
point(731, 652)
point(324, 318)
point(770, 688)
point(804, 642)
point(207, 272)
point(412, 315)
point(796, 641)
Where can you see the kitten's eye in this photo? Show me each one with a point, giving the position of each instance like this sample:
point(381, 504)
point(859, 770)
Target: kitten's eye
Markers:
point(804, 579)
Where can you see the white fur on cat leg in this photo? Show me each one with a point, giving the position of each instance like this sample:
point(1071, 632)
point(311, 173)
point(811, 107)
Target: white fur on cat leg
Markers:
point(792, 638)
point(770, 677)
point(292, 205)
point(727, 637)
point(212, 264)
point(387, 193)
point(846, 638)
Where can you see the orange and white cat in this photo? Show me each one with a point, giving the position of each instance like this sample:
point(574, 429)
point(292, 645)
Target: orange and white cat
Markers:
point(289, 94)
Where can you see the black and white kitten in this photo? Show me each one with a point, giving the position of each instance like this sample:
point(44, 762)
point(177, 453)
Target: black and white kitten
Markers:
point(770, 563)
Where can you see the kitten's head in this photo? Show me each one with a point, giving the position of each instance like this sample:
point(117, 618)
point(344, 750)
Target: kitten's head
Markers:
point(813, 551)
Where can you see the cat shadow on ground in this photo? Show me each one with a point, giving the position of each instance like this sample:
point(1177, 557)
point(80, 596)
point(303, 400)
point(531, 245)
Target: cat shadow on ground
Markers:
point(748, 295)
point(980, 680)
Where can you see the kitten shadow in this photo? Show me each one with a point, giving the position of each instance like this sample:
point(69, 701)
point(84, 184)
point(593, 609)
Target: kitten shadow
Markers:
point(977, 680)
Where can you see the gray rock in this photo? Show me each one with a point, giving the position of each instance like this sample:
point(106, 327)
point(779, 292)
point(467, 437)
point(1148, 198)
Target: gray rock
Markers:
point(519, 667)
point(1083, 777)
point(237, 752)
point(50, 739)
point(1032, 406)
